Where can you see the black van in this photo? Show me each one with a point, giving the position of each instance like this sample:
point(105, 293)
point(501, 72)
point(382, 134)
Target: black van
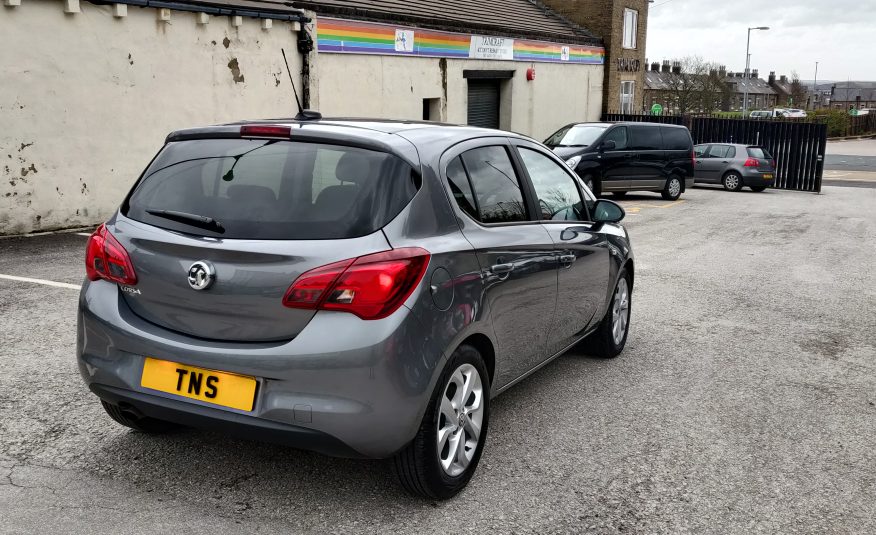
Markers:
point(621, 157)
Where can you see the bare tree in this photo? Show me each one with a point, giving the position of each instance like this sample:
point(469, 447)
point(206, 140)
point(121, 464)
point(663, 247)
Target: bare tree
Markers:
point(694, 85)
point(797, 97)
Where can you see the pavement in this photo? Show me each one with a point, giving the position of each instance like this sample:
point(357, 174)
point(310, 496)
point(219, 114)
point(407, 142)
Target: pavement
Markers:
point(745, 402)
point(850, 163)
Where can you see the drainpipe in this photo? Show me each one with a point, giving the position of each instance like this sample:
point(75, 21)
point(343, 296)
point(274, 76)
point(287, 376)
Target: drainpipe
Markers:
point(305, 47)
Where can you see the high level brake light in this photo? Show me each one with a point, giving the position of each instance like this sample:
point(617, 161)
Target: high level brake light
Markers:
point(265, 130)
point(371, 287)
point(105, 258)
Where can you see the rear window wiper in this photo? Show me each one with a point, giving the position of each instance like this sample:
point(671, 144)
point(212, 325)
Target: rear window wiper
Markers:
point(190, 219)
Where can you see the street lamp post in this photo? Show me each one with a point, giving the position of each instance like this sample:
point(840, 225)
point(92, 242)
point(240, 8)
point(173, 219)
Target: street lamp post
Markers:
point(747, 60)
point(815, 89)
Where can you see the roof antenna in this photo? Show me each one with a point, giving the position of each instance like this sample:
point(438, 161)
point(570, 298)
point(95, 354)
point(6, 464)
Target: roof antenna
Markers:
point(303, 115)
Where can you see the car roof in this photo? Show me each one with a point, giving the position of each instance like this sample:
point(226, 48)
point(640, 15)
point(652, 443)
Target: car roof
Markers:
point(395, 136)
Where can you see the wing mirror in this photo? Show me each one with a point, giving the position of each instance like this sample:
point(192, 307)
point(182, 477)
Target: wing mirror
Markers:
point(607, 145)
point(605, 211)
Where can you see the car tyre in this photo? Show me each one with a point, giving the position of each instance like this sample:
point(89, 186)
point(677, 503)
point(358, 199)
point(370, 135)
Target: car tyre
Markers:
point(141, 424)
point(758, 189)
point(428, 466)
point(732, 181)
point(606, 341)
point(672, 190)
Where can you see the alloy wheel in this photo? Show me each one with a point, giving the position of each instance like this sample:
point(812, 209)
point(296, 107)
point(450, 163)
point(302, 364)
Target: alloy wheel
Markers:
point(674, 187)
point(731, 182)
point(620, 311)
point(460, 419)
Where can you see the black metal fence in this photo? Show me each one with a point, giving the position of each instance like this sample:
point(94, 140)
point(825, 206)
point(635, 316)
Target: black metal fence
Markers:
point(797, 146)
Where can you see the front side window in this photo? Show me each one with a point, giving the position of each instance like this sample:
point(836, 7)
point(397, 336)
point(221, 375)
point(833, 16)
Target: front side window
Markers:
point(626, 96)
point(496, 187)
point(558, 196)
point(701, 150)
point(619, 136)
point(631, 21)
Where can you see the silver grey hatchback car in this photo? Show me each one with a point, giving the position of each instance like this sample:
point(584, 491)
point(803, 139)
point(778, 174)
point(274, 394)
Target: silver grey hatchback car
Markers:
point(357, 288)
point(734, 166)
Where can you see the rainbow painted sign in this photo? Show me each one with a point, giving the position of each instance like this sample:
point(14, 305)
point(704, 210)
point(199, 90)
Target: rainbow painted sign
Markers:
point(353, 37)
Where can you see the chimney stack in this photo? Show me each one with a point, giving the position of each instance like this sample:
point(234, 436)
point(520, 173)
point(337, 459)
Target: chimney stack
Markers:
point(655, 66)
point(666, 66)
point(754, 74)
point(722, 71)
point(772, 78)
point(784, 79)
point(713, 73)
point(676, 67)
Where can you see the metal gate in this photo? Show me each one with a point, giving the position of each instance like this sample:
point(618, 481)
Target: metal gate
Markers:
point(483, 103)
point(798, 147)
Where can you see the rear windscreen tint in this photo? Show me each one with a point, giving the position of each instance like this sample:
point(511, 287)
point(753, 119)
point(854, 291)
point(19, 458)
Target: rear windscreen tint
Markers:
point(269, 189)
point(758, 152)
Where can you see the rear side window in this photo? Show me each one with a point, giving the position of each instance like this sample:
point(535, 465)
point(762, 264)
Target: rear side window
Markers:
point(497, 193)
point(676, 139)
point(461, 187)
point(269, 189)
point(619, 136)
point(646, 138)
point(731, 152)
point(759, 152)
point(718, 151)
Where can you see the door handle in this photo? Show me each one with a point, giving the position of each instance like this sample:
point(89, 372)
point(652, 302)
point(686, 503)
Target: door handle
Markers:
point(501, 269)
point(567, 258)
point(725, 161)
point(699, 161)
point(628, 156)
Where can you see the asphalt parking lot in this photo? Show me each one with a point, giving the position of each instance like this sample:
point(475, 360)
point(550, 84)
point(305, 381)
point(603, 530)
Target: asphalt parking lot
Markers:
point(745, 402)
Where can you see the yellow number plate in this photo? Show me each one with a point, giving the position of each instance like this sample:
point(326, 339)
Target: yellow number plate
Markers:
point(767, 177)
point(220, 388)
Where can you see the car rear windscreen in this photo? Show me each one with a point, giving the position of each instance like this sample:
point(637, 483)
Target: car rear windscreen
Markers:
point(759, 152)
point(271, 189)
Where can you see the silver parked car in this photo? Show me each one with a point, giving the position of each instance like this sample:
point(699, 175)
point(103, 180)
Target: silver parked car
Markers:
point(357, 288)
point(734, 166)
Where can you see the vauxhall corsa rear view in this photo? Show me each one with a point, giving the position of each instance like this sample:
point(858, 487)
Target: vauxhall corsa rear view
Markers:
point(357, 288)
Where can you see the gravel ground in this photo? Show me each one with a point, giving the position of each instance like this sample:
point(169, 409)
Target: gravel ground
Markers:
point(744, 403)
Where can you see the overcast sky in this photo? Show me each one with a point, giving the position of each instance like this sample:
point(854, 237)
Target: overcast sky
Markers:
point(839, 34)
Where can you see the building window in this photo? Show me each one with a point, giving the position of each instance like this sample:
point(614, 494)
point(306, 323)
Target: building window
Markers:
point(626, 97)
point(631, 22)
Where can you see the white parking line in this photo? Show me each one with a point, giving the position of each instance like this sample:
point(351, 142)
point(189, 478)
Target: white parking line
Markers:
point(41, 281)
point(87, 235)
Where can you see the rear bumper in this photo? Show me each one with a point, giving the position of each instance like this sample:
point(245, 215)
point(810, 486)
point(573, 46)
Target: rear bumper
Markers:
point(343, 386)
point(755, 178)
point(239, 425)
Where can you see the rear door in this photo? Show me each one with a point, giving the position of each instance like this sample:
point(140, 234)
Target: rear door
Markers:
point(650, 159)
point(714, 163)
point(582, 252)
point(280, 208)
point(701, 152)
point(516, 253)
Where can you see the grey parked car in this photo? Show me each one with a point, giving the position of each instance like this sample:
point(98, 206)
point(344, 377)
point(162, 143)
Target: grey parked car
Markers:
point(356, 288)
point(734, 166)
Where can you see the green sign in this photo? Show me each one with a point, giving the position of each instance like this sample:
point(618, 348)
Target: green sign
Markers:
point(656, 109)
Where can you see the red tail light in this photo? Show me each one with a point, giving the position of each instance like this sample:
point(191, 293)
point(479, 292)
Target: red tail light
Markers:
point(265, 130)
point(371, 287)
point(105, 258)
point(751, 162)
